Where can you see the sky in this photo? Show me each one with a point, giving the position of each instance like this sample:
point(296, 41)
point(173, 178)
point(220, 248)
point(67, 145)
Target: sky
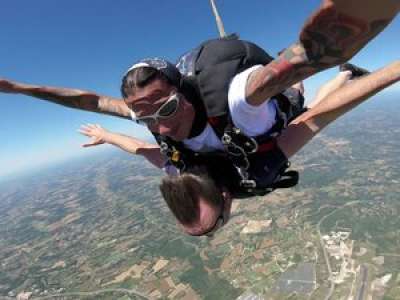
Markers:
point(89, 44)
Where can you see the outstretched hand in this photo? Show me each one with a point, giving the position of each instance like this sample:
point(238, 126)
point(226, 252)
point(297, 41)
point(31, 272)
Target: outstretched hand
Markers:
point(95, 132)
point(7, 86)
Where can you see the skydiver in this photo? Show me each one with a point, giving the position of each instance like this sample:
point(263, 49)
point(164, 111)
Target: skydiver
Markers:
point(201, 197)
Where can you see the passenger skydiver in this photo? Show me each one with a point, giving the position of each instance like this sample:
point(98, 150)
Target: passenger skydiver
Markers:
point(201, 197)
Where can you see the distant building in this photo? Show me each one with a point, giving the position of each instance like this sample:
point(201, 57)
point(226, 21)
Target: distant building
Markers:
point(253, 226)
point(250, 296)
point(24, 296)
point(301, 280)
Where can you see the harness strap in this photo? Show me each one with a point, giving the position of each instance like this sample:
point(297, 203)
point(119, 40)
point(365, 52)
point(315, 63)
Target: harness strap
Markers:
point(267, 146)
point(288, 179)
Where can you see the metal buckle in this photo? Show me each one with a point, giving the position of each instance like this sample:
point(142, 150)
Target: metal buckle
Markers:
point(174, 156)
point(245, 182)
point(248, 184)
point(164, 148)
point(236, 151)
point(250, 145)
point(231, 147)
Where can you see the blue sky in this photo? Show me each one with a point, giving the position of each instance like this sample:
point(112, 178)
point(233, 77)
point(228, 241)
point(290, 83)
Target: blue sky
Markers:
point(89, 44)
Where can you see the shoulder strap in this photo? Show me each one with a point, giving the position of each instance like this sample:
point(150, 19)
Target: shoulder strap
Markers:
point(212, 65)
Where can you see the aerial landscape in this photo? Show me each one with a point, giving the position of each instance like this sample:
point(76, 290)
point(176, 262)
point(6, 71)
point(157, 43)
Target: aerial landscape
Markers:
point(82, 220)
point(97, 228)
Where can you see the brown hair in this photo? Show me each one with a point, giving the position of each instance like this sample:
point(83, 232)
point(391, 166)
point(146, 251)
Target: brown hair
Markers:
point(182, 194)
point(139, 77)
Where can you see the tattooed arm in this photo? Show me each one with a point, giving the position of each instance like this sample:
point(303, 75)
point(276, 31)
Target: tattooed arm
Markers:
point(73, 98)
point(332, 35)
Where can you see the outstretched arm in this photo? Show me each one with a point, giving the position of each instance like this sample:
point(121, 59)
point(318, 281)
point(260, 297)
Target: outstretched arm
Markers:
point(73, 98)
point(302, 129)
point(332, 35)
point(129, 144)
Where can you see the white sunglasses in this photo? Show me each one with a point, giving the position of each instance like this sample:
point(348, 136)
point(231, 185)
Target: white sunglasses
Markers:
point(166, 111)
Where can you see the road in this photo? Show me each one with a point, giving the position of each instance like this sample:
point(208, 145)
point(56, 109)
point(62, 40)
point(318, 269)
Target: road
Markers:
point(328, 264)
point(131, 292)
point(363, 285)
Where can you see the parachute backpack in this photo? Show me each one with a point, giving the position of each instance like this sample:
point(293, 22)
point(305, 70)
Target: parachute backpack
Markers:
point(208, 70)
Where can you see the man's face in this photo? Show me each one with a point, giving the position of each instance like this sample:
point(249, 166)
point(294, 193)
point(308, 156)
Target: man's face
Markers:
point(147, 101)
point(211, 217)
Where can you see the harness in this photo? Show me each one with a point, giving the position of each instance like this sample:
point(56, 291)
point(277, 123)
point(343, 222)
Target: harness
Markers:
point(259, 164)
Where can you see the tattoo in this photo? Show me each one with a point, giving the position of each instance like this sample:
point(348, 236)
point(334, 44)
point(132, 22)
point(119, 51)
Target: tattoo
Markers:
point(327, 39)
point(332, 37)
point(66, 97)
point(80, 99)
point(114, 107)
point(281, 73)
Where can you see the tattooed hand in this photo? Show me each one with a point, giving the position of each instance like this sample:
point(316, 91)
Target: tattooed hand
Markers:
point(7, 86)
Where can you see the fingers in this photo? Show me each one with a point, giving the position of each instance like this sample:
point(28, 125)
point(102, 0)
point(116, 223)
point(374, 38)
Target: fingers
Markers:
point(85, 132)
point(95, 132)
point(90, 129)
point(94, 143)
point(87, 145)
point(91, 126)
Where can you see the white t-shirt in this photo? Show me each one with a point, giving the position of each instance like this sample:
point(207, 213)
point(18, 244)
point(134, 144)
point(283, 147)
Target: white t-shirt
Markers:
point(251, 120)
